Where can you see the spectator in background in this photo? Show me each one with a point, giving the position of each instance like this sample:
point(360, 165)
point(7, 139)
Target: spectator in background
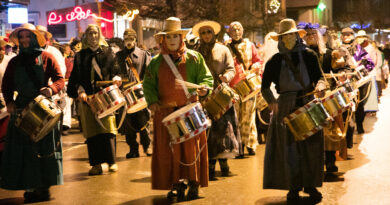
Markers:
point(116, 44)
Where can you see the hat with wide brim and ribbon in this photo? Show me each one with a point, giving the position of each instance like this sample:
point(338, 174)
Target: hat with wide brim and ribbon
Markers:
point(172, 25)
point(362, 33)
point(29, 27)
point(212, 24)
point(287, 26)
point(43, 29)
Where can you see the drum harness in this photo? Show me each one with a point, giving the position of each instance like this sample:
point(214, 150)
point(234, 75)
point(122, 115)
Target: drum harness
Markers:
point(188, 95)
point(98, 71)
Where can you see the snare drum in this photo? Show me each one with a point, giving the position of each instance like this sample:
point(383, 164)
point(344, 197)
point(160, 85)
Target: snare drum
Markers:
point(261, 104)
point(106, 101)
point(220, 101)
point(336, 101)
point(3, 107)
point(186, 123)
point(307, 120)
point(135, 98)
point(39, 118)
point(248, 87)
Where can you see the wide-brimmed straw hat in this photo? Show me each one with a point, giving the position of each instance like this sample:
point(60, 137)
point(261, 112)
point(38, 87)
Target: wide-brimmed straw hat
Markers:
point(362, 33)
point(48, 35)
point(214, 25)
point(287, 26)
point(27, 26)
point(172, 25)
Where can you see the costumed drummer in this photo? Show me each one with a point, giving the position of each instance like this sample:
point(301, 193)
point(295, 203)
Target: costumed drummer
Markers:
point(28, 165)
point(246, 61)
point(92, 64)
point(224, 139)
point(163, 98)
point(333, 133)
point(295, 70)
point(131, 62)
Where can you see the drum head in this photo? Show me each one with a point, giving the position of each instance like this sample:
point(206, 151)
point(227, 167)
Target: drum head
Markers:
point(140, 105)
point(112, 109)
point(180, 112)
point(47, 128)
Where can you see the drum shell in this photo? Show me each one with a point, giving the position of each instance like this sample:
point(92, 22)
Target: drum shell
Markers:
point(135, 99)
point(307, 120)
point(185, 123)
point(336, 102)
point(221, 100)
point(39, 118)
point(106, 101)
point(248, 87)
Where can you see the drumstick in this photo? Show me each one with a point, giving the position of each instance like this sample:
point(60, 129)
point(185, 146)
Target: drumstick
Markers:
point(339, 74)
point(190, 85)
point(105, 82)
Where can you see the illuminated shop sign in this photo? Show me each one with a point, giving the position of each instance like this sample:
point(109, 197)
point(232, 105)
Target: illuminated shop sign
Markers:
point(78, 13)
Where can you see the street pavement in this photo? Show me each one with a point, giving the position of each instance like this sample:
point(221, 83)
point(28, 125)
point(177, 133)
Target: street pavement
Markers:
point(362, 179)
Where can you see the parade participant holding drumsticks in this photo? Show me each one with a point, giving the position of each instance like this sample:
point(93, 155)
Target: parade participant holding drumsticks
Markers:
point(28, 165)
point(224, 139)
point(246, 61)
point(92, 64)
point(131, 63)
point(163, 98)
point(295, 70)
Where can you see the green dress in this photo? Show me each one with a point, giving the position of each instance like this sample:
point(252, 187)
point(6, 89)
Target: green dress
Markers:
point(25, 164)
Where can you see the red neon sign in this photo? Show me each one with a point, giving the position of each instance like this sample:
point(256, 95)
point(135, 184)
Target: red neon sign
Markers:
point(77, 14)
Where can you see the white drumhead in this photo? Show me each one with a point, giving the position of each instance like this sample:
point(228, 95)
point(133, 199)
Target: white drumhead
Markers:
point(180, 112)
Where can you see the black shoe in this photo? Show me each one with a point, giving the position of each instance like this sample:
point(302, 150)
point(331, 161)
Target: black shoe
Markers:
point(313, 192)
point(178, 191)
point(293, 195)
point(132, 155)
point(37, 195)
point(251, 151)
point(241, 156)
point(332, 169)
point(212, 175)
point(225, 171)
point(360, 130)
point(193, 191)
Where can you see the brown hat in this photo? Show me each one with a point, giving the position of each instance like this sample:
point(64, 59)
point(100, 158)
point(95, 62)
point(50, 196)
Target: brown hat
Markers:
point(48, 35)
point(130, 32)
point(172, 25)
point(214, 25)
point(287, 26)
point(347, 30)
point(27, 26)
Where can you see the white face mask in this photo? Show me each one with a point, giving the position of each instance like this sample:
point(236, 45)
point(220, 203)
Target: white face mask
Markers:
point(130, 41)
point(173, 41)
point(289, 40)
point(347, 38)
point(93, 37)
point(236, 32)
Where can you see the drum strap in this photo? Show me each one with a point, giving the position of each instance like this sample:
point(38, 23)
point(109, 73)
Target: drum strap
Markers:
point(129, 64)
point(97, 68)
point(177, 74)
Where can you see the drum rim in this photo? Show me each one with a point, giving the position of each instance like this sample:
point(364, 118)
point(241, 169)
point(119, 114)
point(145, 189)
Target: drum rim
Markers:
point(181, 111)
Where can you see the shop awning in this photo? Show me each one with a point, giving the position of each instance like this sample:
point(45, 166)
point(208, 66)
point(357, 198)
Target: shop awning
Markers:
point(301, 3)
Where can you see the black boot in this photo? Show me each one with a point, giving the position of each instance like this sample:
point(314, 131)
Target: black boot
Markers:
point(193, 191)
point(38, 195)
point(212, 163)
point(178, 191)
point(134, 153)
point(293, 195)
point(224, 167)
point(314, 193)
point(251, 151)
point(330, 161)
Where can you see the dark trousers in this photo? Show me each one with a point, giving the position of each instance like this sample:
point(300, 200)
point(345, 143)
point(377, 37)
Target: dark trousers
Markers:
point(101, 149)
point(360, 114)
point(379, 84)
point(131, 140)
point(222, 163)
point(330, 159)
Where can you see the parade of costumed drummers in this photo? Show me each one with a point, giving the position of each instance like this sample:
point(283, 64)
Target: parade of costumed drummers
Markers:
point(195, 102)
point(180, 165)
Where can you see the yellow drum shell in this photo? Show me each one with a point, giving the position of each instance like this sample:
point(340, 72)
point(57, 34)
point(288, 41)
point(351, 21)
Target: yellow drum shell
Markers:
point(249, 87)
point(222, 99)
point(39, 118)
